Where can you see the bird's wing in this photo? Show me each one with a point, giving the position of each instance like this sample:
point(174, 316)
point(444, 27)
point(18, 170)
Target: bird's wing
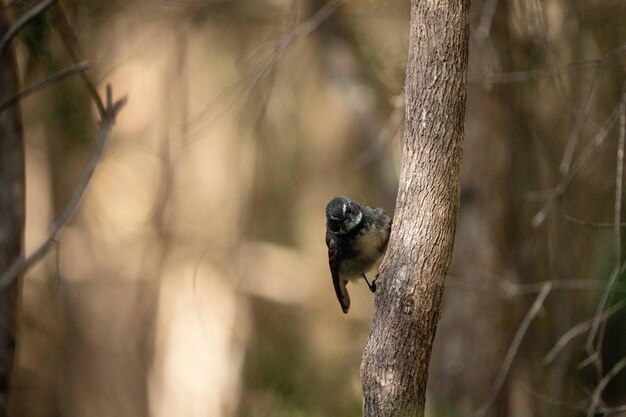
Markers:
point(338, 283)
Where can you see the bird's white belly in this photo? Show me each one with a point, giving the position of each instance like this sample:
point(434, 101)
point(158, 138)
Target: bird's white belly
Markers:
point(370, 249)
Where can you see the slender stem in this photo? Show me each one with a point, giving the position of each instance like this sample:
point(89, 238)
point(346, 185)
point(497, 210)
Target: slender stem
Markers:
point(52, 78)
point(515, 344)
point(22, 21)
point(22, 264)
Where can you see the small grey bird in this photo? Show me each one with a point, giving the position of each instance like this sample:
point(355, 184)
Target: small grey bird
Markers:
point(357, 237)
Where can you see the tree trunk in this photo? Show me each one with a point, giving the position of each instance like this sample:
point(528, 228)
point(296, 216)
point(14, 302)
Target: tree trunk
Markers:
point(394, 369)
point(11, 209)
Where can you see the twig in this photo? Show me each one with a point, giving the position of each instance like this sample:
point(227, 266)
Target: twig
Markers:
point(619, 267)
point(22, 264)
point(585, 155)
point(593, 145)
point(549, 53)
point(579, 114)
point(52, 78)
point(486, 17)
point(323, 14)
point(387, 133)
point(514, 77)
point(515, 344)
point(597, 393)
point(265, 69)
point(612, 410)
point(592, 358)
point(518, 77)
point(596, 225)
point(574, 136)
point(23, 20)
point(69, 39)
point(508, 289)
point(619, 180)
point(577, 330)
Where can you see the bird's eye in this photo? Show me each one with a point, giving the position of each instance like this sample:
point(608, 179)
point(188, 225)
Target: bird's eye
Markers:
point(349, 210)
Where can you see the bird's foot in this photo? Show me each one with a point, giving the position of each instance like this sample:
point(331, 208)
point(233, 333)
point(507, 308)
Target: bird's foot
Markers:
point(371, 286)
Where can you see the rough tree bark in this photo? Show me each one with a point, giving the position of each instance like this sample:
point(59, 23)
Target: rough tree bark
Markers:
point(394, 368)
point(11, 209)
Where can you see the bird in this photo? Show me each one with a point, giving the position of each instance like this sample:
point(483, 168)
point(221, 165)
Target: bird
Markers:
point(356, 236)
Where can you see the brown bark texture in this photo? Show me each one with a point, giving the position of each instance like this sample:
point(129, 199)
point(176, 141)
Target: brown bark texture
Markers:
point(394, 367)
point(11, 209)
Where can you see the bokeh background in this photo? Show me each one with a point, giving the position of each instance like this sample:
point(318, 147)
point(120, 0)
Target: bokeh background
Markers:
point(194, 279)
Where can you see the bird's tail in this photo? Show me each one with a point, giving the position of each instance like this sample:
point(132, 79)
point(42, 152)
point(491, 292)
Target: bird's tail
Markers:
point(343, 296)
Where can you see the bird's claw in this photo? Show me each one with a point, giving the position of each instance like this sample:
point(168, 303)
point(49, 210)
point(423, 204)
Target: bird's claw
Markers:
point(371, 286)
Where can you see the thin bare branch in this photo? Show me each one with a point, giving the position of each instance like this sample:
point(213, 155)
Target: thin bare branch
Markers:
point(387, 133)
point(22, 21)
point(318, 18)
point(70, 41)
point(580, 114)
point(51, 79)
point(593, 145)
point(619, 267)
point(508, 289)
point(22, 264)
point(574, 136)
point(608, 411)
point(592, 358)
point(594, 225)
point(515, 344)
point(515, 77)
point(486, 17)
point(585, 156)
point(619, 180)
point(577, 330)
point(277, 50)
point(596, 398)
point(554, 72)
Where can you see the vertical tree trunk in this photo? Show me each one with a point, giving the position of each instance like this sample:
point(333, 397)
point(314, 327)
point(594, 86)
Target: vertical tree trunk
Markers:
point(394, 369)
point(11, 209)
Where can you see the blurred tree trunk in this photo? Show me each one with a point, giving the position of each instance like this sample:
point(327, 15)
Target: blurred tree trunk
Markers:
point(11, 209)
point(394, 369)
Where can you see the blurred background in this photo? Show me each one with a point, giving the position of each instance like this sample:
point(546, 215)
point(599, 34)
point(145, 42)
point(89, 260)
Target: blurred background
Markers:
point(194, 279)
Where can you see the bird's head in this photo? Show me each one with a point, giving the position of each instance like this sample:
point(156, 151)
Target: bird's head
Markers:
point(343, 215)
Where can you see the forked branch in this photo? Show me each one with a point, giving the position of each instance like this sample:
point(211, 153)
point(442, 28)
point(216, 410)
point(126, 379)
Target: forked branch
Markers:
point(23, 263)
